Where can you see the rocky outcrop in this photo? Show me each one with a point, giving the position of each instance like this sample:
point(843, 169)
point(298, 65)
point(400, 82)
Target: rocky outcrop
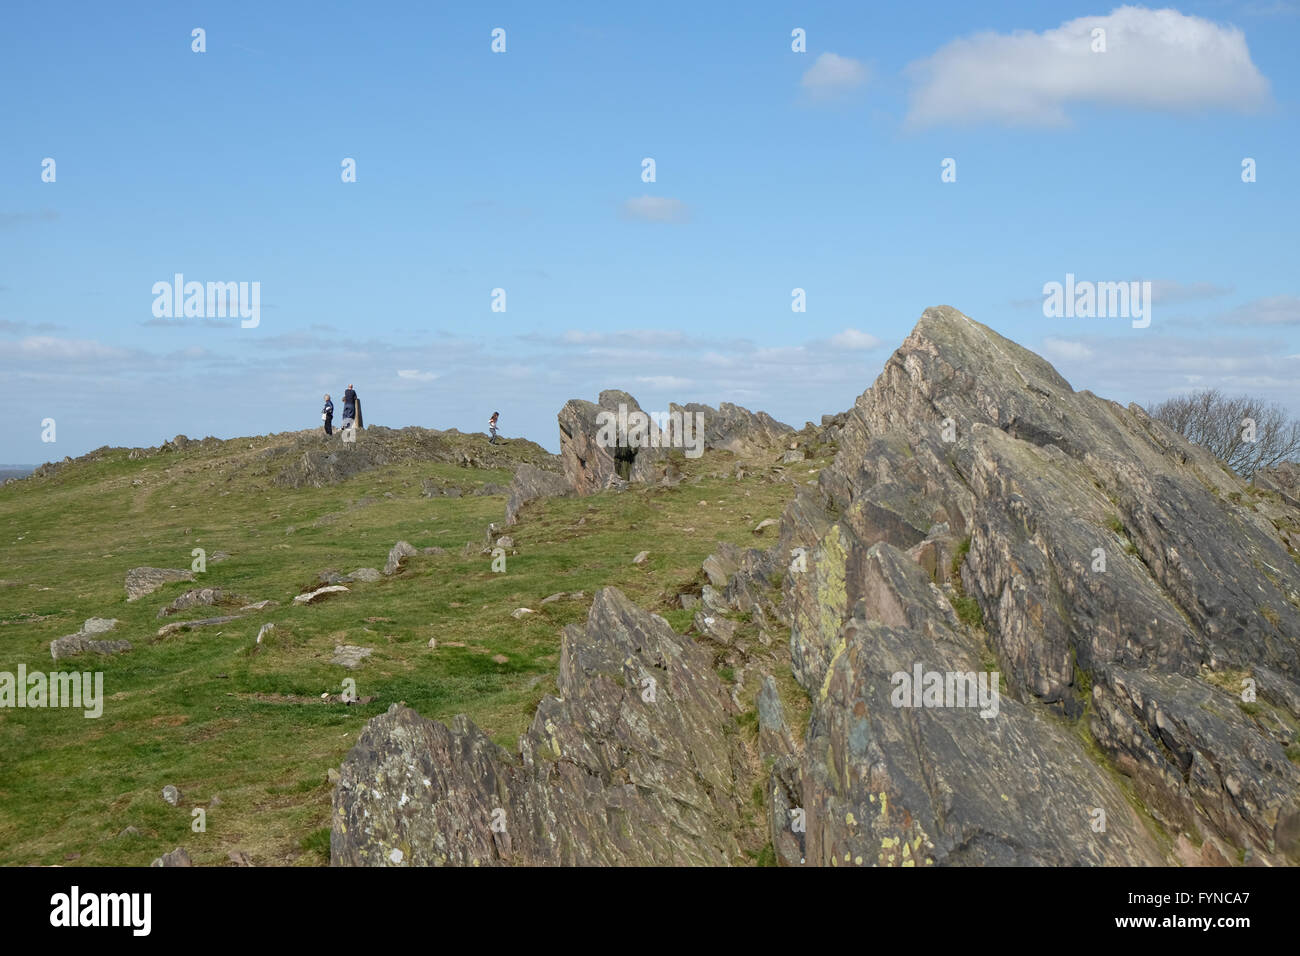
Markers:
point(1118, 578)
point(634, 762)
point(602, 445)
point(142, 581)
point(531, 483)
point(1034, 627)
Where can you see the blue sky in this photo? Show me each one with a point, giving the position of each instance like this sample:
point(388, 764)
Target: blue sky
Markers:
point(523, 171)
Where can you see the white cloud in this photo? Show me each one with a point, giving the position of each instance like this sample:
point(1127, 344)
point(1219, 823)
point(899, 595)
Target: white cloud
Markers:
point(1169, 291)
point(46, 347)
point(416, 374)
point(1272, 310)
point(664, 381)
point(854, 341)
point(655, 209)
point(832, 74)
point(1154, 59)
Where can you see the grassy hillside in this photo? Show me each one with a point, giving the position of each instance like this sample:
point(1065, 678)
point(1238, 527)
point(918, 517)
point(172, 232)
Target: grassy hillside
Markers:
point(241, 728)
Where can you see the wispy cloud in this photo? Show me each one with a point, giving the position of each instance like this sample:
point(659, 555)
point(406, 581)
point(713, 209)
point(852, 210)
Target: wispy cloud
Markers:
point(1273, 310)
point(416, 374)
point(8, 219)
point(853, 340)
point(832, 75)
point(655, 209)
point(1153, 59)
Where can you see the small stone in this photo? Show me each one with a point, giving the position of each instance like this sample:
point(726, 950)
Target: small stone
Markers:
point(433, 643)
point(171, 795)
point(505, 541)
point(265, 629)
point(500, 659)
point(177, 857)
point(369, 575)
point(128, 832)
point(332, 775)
point(521, 612)
point(215, 801)
point(551, 599)
point(765, 523)
point(640, 558)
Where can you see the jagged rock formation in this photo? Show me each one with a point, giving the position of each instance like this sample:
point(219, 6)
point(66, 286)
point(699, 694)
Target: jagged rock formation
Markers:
point(632, 764)
point(1126, 587)
point(1139, 602)
point(592, 462)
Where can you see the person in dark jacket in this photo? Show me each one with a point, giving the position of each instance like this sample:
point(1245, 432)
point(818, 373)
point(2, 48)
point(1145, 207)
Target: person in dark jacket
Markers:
point(349, 406)
point(492, 427)
point(327, 415)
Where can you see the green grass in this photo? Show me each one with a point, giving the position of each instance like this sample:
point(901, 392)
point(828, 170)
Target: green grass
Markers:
point(217, 715)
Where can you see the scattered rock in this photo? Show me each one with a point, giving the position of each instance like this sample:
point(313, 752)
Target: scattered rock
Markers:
point(82, 642)
point(520, 612)
point(765, 523)
point(433, 551)
point(265, 629)
point(400, 552)
point(171, 795)
point(199, 597)
point(505, 541)
point(500, 659)
point(168, 629)
point(350, 655)
point(177, 857)
point(142, 581)
point(260, 606)
point(433, 643)
point(369, 575)
point(552, 598)
point(313, 596)
point(128, 832)
point(239, 858)
point(640, 558)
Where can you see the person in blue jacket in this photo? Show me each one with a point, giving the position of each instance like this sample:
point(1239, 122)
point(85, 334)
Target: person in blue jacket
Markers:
point(327, 415)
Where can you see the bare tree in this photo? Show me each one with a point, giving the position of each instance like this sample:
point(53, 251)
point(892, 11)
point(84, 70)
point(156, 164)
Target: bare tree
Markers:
point(1245, 432)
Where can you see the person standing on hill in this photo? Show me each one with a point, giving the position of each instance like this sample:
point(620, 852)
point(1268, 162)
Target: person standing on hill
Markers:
point(327, 415)
point(492, 427)
point(352, 408)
